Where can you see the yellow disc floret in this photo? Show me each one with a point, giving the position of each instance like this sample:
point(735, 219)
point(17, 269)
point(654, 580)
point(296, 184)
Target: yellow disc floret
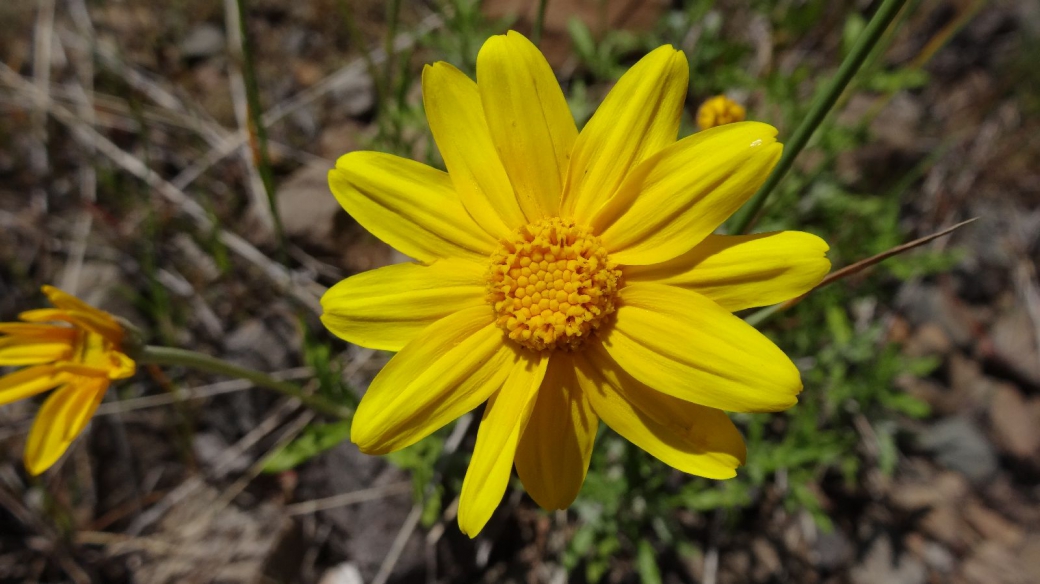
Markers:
point(552, 285)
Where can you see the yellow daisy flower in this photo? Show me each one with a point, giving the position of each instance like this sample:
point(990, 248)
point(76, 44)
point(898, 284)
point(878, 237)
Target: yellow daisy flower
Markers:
point(718, 111)
point(78, 358)
point(567, 278)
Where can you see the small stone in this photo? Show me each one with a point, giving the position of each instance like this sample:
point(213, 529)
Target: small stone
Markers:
point(308, 210)
point(1029, 556)
point(938, 558)
point(928, 340)
point(927, 303)
point(945, 524)
point(1014, 426)
point(203, 41)
point(345, 573)
point(832, 550)
point(948, 488)
point(992, 526)
point(881, 565)
point(766, 560)
point(992, 563)
point(958, 444)
point(1014, 344)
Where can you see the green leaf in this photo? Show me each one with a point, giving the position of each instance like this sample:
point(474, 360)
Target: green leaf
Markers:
point(646, 564)
point(314, 440)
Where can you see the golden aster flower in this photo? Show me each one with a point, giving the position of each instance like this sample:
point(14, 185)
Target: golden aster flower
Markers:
point(74, 349)
point(567, 278)
point(718, 111)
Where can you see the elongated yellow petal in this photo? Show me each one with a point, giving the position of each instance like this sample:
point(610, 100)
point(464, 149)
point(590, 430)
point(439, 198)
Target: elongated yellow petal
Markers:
point(29, 351)
point(504, 420)
point(388, 307)
point(69, 302)
point(682, 344)
point(671, 202)
point(556, 446)
point(38, 332)
point(449, 369)
point(529, 120)
point(95, 389)
point(65, 410)
point(686, 436)
point(456, 118)
point(29, 382)
point(101, 324)
point(409, 205)
point(639, 117)
point(744, 271)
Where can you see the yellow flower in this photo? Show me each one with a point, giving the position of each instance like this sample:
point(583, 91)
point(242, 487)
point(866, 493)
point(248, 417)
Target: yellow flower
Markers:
point(78, 358)
point(719, 110)
point(567, 278)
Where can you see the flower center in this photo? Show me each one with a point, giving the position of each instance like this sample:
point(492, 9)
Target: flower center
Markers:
point(552, 285)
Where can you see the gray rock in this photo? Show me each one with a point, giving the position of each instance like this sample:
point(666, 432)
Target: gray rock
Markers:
point(1014, 344)
point(958, 444)
point(202, 41)
point(880, 565)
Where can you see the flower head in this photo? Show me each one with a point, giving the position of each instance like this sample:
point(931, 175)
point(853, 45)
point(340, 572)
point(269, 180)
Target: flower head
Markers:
point(567, 278)
point(719, 110)
point(74, 349)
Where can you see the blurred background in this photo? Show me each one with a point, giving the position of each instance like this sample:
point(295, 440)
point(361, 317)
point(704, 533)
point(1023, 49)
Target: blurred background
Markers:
point(131, 175)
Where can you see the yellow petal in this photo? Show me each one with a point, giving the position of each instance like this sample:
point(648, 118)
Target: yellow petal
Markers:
point(457, 121)
point(449, 369)
point(60, 420)
point(686, 436)
point(639, 117)
point(504, 420)
point(42, 332)
point(120, 366)
point(29, 382)
point(101, 324)
point(675, 199)
point(744, 271)
point(100, 321)
point(409, 205)
point(29, 351)
point(388, 307)
point(680, 343)
point(529, 120)
point(556, 446)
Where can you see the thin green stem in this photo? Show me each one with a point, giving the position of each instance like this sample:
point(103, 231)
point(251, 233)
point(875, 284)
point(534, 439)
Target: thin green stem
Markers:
point(171, 356)
point(539, 22)
point(257, 128)
point(819, 110)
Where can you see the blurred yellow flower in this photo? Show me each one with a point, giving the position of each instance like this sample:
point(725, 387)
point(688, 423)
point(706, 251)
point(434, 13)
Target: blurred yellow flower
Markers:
point(74, 349)
point(718, 111)
point(567, 277)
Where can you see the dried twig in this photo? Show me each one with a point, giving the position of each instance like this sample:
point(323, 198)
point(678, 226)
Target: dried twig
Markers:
point(351, 498)
point(306, 294)
point(761, 315)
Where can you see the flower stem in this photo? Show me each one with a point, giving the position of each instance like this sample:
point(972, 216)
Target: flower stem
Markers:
point(819, 109)
point(539, 22)
point(171, 356)
point(257, 130)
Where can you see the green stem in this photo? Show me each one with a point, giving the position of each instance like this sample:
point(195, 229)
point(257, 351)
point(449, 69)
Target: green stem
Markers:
point(819, 109)
point(171, 356)
point(256, 124)
point(539, 22)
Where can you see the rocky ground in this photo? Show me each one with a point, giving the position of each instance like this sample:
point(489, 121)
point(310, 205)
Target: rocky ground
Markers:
point(174, 493)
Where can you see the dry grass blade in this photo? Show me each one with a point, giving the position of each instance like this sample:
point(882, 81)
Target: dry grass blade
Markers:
point(306, 292)
point(864, 264)
point(760, 316)
point(351, 498)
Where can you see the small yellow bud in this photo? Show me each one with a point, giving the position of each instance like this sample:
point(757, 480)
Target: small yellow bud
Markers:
point(719, 110)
